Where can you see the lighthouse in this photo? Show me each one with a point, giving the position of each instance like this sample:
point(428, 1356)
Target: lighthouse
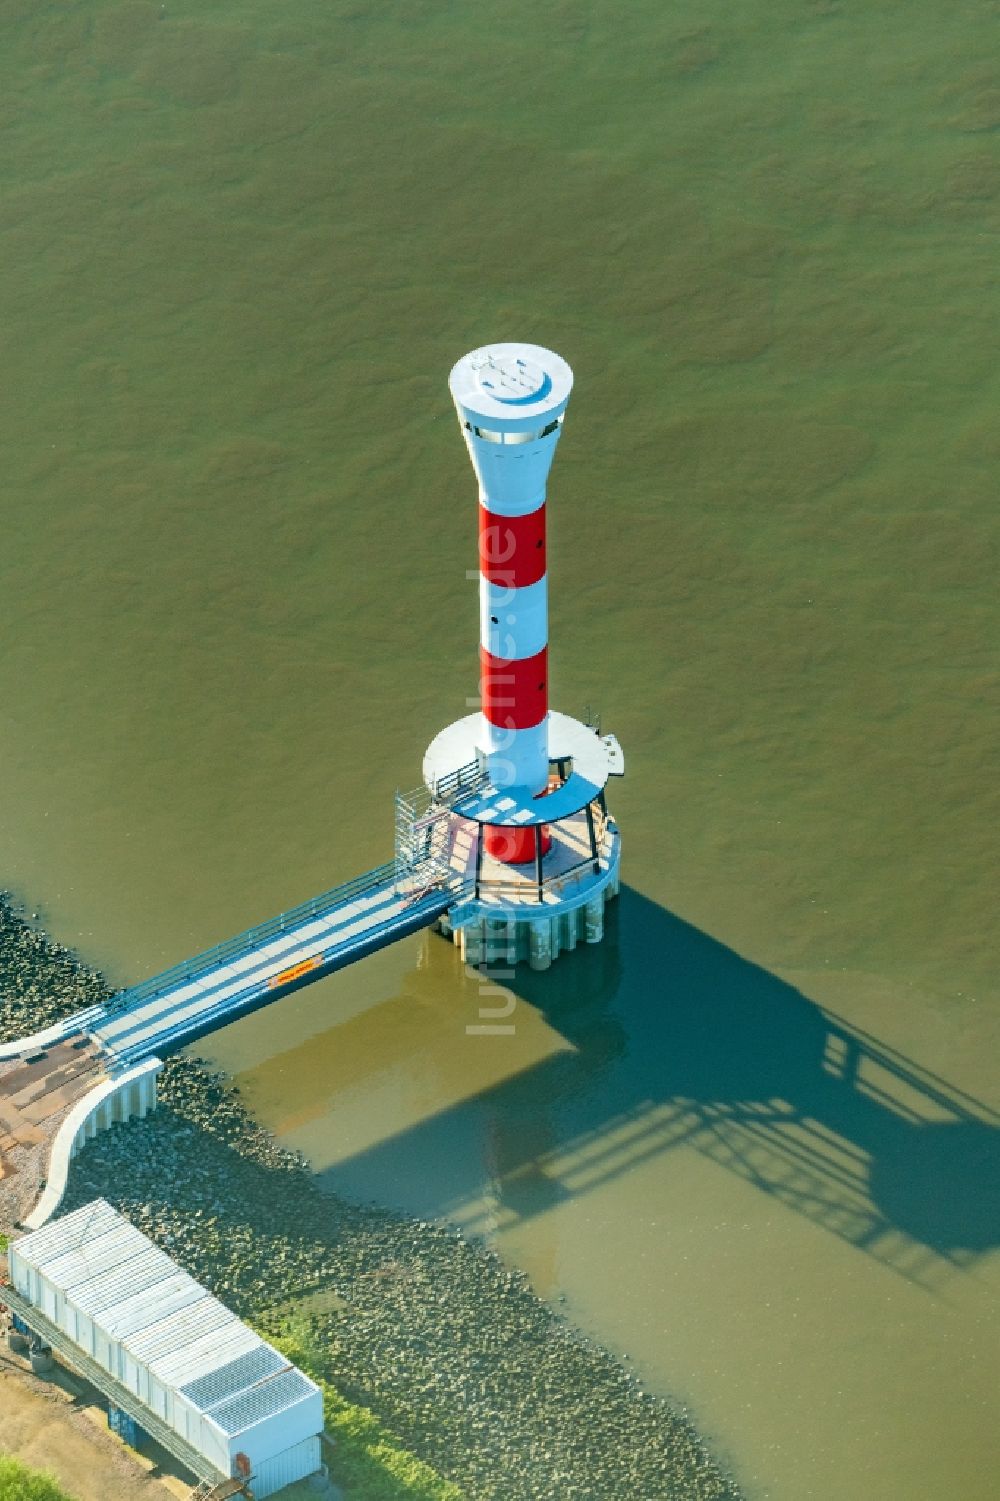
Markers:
point(517, 790)
point(511, 408)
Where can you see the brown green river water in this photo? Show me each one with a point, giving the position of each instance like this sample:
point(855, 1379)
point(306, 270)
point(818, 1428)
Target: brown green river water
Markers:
point(750, 1139)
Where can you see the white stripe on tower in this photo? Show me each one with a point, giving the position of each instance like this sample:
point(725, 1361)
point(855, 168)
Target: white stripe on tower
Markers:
point(510, 400)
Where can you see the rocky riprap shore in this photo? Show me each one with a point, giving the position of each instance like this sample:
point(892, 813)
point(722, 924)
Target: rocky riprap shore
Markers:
point(40, 981)
point(447, 1345)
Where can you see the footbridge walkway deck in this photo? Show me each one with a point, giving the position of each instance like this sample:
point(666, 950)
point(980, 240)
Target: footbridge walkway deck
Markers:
point(177, 1007)
point(131, 1033)
point(184, 1003)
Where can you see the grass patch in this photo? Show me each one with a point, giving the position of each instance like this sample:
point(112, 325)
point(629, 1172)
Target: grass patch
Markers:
point(367, 1461)
point(18, 1483)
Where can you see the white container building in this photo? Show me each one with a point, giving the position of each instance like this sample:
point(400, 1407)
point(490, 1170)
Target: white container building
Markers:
point(175, 1347)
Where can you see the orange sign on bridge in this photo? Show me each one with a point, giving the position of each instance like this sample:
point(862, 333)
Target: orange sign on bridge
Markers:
point(296, 971)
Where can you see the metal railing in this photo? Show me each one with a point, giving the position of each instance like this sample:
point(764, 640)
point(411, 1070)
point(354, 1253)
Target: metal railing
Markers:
point(163, 1037)
point(473, 777)
point(422, 820)
point(548, 884)
point(553, 884)
point(253, 938)
point(412, 856)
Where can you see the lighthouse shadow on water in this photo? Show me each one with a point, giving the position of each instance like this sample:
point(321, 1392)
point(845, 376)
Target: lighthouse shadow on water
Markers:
point(677, 1042)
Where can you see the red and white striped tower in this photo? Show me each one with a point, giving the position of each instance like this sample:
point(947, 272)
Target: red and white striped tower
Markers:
point(533, 851)
point(510, 400)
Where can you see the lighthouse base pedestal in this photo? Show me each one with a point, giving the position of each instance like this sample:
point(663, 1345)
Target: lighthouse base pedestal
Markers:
point(489, 931)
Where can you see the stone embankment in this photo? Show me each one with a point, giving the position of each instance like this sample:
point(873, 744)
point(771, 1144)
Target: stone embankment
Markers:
point(448, 1346)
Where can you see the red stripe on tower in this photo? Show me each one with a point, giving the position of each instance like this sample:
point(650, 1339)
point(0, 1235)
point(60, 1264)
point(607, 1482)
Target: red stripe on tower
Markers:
point(514, 690)
point(512, 548)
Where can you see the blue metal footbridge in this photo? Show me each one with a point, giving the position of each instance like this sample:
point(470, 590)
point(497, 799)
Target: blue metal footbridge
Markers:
point(194, 998)
point(186, 1002)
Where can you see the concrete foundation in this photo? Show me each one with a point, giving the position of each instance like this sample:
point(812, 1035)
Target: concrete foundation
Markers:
point(534, 934)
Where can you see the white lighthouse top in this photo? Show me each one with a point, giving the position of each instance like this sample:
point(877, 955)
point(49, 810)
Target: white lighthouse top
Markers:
point(511, 386)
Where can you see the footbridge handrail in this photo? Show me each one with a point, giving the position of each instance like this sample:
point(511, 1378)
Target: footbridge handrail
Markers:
point(420, 906)
point(245, 943)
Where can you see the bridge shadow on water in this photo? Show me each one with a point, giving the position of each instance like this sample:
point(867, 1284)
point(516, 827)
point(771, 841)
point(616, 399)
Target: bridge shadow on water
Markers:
point(678, 1042)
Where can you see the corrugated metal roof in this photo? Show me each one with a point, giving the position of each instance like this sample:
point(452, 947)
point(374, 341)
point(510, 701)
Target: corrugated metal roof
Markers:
point(140, 1270)
point(138, 1312)
point(165, 1320)
point(180, 1328)
point(217, 1347)
point(64, 1234)
point(235, 1376)
point(262, 1401)
point(83, 1264)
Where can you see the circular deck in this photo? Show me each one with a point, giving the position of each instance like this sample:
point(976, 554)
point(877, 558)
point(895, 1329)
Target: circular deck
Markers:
point(570, 741)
